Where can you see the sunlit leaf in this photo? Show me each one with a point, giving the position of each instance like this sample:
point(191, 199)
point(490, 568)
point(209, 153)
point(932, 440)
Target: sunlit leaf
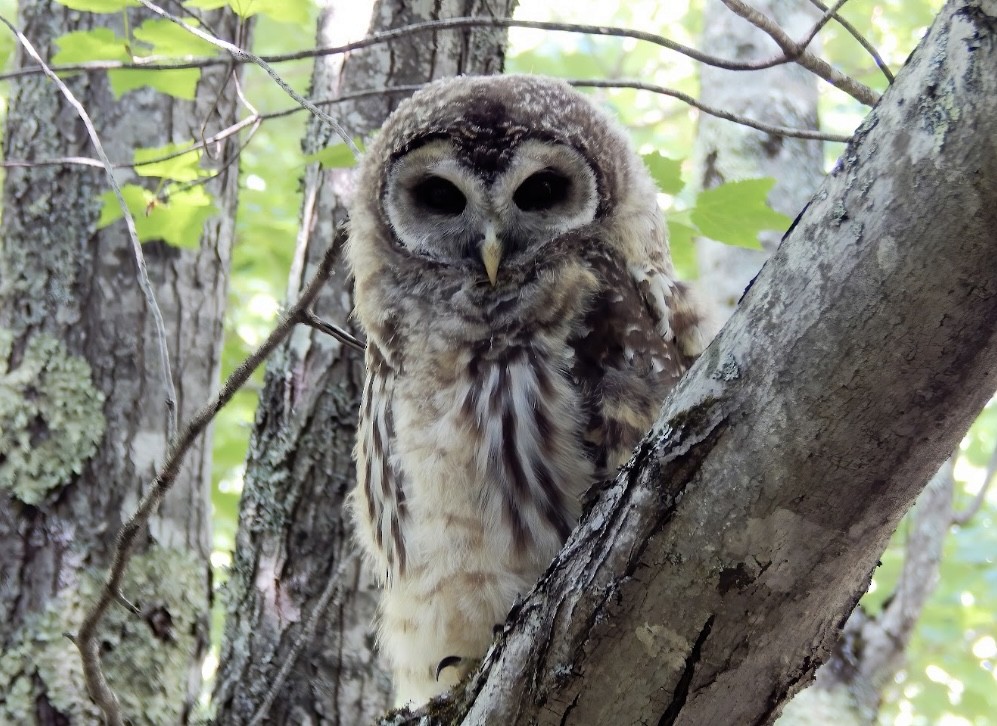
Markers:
point(683, 249)
point(667, 173)
point(184, 167)
point(735, 212)
point(98, 6)
point(177, 221)
point(166, 38)
point(284, 11)
point(179, 83)
point(337, 156)
point(90, 45)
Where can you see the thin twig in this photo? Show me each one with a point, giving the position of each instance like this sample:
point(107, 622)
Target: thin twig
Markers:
point(862, 40)
point(249, 121)
point(87, 640)
point(821, 22)
point(343, 336)
point(713, 111)
point(333, 588)
point(143, 273)
point(244, 55)
point(798, 54)
point(254, 120)
point(962, 518)
point(157, 63)
point(216, 172)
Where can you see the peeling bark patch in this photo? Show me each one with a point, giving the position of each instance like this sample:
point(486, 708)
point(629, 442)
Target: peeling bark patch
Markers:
point(161, 623)
point(986, 23)
point(51, 416)
point(682, 688)
point(45, 712)
point(569, 709)
point(733, 578)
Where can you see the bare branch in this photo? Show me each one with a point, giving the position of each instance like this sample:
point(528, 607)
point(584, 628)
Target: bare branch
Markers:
point(796, 52)
point(157, 63)
point(862, 40)
point(239, 54)
point(343, 336)
point(255, 119)
point(713, 111)
point(143, 273)
point(821, 22)
point(962, 518)
point(87, 640)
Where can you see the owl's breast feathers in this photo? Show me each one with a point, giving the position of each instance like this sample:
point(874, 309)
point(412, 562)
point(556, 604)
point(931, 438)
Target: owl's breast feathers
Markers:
point(493, 437)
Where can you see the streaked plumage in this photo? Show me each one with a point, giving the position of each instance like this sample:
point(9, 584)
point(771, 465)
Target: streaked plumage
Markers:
point(523, 326)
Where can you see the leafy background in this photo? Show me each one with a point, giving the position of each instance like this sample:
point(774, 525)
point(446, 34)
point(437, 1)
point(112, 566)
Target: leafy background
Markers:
point(949, 678)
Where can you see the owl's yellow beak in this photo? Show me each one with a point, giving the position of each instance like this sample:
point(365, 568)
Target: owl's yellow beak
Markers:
point(491, 254)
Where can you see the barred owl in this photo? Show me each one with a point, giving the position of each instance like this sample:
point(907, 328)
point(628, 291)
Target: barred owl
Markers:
point(523, 324)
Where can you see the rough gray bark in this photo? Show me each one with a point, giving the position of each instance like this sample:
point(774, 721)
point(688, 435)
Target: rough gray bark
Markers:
point(708, 583)
point(82, 411)
point(294, 534)
point(785, 95)
point(849, 688)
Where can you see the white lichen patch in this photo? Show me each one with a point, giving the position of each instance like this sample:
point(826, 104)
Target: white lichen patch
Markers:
point(146, 658)
point(51, 416)
point(661, 642)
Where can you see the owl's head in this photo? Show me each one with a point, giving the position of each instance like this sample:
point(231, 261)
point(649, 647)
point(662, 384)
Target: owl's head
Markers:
point(478, 178)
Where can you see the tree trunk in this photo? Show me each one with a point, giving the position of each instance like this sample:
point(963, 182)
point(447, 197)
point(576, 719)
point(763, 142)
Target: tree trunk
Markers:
point(708, 583)
point(294, 549)
point(785, 95)
point(848, 689)
point(82, 408)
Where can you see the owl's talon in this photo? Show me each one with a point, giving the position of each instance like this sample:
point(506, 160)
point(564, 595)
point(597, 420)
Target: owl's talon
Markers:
point(448, 662)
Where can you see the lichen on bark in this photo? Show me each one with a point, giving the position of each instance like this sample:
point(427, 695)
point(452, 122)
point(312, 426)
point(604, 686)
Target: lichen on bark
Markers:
point(51, 415)
point(141, 655)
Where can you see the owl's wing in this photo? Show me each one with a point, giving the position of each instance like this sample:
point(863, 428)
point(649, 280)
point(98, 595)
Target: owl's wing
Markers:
point(630, 351)
point(379, 505)
point(678, 312)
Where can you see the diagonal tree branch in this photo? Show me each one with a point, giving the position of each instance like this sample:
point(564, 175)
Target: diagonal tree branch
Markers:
point(859, 38)
point(798, 53)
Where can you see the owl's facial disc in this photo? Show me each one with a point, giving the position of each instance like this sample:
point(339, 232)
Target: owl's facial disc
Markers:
point(482, 221)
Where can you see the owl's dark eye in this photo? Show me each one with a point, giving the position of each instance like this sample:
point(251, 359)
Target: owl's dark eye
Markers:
point(541, 191)
point(440, 196)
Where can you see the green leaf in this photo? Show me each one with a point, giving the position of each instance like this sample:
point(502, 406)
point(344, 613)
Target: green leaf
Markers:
point(683, 249)
point(99, 6)
point(168, 39)
point(90, 45)
point(667, 173)
point(337, 156)
point(177, 221)
point(185, 167)
point(179, 83)
point(284, 11)
point(735, 212)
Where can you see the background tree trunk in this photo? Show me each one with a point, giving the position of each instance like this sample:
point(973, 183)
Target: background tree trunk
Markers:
point(785, 95)
point(295, 541)
point(715, 575)
point(82, 408)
